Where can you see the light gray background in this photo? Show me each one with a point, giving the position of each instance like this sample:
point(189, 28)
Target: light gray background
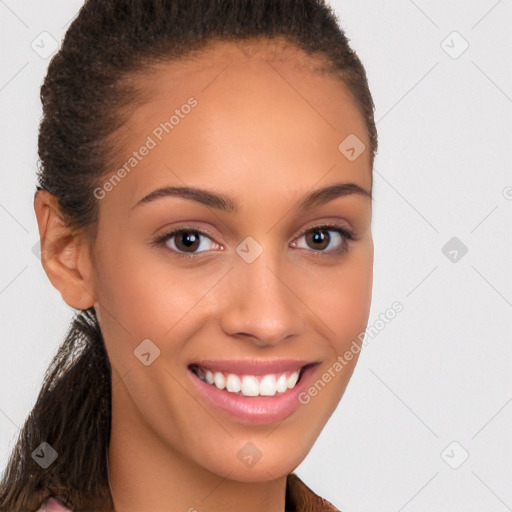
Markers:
point(440, 371)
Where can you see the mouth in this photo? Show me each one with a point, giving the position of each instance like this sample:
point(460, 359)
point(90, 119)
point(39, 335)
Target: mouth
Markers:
point(253, 392)
point(250, 384)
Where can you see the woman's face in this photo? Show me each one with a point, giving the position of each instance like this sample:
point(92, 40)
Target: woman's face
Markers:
point(252, 278)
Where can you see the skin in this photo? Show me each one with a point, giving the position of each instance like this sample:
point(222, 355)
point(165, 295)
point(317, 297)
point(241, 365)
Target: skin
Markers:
point(265, 132)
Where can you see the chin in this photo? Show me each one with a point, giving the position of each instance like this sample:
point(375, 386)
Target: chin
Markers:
point(252, 465)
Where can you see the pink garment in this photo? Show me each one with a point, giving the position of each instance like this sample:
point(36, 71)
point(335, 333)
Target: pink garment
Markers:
point(53, 505)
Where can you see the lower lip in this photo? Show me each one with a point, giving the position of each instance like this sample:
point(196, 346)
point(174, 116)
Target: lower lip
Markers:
point(256, 409)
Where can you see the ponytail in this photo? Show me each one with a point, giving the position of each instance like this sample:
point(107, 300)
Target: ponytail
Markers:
point(72, 417)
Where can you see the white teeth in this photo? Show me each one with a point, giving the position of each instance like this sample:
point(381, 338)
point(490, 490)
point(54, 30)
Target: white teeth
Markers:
point(268, 385)
point(220, 380)
point(292, 379)
point(282, 384)
point(250, 385)
point(233, 383)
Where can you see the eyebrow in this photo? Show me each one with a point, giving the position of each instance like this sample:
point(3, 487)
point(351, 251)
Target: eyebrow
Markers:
point(222, 202)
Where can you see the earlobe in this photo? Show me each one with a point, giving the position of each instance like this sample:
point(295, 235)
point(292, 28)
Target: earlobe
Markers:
point(64, 254)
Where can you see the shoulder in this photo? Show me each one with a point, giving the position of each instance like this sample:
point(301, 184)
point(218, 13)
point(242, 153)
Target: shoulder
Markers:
point(300, 498)
point(52, 504)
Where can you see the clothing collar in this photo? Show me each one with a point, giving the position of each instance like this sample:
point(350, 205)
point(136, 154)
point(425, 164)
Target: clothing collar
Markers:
point(300, 498)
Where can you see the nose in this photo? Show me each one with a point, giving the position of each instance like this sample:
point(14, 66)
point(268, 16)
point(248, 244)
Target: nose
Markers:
point(261, 304)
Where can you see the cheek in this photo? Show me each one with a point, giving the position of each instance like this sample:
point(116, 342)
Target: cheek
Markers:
point(354, 301)
point(345, 306)
point(146, 291)
point(145, 295)
point(345, 299)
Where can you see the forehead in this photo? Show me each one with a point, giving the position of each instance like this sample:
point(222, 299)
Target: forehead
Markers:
point(266, 66)
point(264, 107)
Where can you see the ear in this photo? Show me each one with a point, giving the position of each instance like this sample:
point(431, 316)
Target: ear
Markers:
point(65, 254)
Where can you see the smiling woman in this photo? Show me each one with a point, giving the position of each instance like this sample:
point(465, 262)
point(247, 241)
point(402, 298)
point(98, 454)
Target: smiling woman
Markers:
point(215, 279)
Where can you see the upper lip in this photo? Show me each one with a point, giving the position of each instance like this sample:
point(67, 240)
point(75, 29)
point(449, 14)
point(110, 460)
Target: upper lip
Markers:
point(252, 367)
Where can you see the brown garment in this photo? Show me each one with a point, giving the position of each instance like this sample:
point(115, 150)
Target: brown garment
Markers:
point(299, 498)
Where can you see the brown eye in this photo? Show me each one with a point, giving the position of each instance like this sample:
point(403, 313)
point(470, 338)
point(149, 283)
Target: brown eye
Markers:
point(321, 237)
point(318, 239)
point(185, 241)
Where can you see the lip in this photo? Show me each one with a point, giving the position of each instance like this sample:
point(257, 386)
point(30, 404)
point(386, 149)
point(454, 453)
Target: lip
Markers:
point(257, 409)
point(251, 367)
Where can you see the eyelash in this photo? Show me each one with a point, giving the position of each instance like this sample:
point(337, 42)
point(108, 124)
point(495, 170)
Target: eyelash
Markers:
point(347, 235)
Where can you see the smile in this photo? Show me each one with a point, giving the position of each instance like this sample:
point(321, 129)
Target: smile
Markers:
point(250, 385)
point(252, 391)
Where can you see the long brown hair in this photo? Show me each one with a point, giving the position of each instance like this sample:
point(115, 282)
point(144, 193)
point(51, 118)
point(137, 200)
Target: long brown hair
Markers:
point(84, 98)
